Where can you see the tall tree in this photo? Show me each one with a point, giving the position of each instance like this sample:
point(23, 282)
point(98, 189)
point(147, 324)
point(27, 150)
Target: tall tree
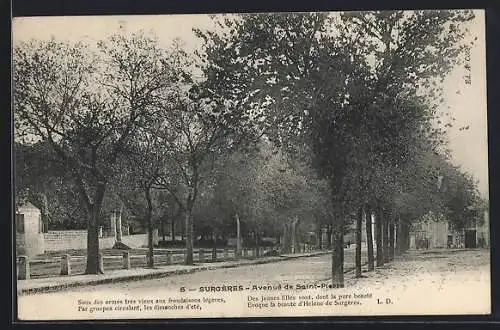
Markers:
point(143, 164)
point(342, 88)
point(87, 106)
point(202, 128)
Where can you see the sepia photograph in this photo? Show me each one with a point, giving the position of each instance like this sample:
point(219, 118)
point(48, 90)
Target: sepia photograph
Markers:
point(239, 165)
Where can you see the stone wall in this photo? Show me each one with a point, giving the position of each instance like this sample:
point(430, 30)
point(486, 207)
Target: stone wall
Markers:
point(65, 240)
point(31, 241)
point(77, 239)
point(138, 240)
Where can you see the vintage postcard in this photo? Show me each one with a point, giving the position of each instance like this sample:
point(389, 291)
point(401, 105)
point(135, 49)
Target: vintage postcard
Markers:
point(251, 165)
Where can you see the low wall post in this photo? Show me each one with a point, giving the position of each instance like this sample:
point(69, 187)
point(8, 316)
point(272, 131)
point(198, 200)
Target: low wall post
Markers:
point(150, 258)
point(169, 258)
point(126, 260)
point(65, 265)
point(101, 261)
point(24, 268)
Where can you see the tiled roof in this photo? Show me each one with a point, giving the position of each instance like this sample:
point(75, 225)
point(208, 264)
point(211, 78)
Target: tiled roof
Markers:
point(28, 205)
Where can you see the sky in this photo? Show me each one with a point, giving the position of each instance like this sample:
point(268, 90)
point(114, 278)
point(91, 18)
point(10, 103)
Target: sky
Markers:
point(466, 102)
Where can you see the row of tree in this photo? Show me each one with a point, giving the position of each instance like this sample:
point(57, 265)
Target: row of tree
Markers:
point(299, 120)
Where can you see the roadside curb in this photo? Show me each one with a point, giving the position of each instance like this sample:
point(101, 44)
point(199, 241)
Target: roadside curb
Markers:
point(157, 274)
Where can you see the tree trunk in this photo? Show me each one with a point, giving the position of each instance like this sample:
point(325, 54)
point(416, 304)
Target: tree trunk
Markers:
point(162, 228)
point(369, 239)
point(257, 245)
point(119, 230)
point(46, 213)
point(320, 237)
point(183, 229)
point(359, 220)
point(149, 218)
point(391, 239)
point(214, 246)
point(329, 237)
point(385, 236)
point(295, 236)
point(338, 255)
point(238, 235)
point(92, 266)
point(189, 237)
point(286, 238)
point(172, 226)
point(398, 237)
point(406, 236)
point(378, 237)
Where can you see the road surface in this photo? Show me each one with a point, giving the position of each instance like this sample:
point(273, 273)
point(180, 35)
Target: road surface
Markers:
point(67, 304)
point(418, 283)
point(301, 270)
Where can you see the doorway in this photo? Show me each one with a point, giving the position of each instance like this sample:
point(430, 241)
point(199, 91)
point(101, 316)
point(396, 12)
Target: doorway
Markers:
point(470, 239)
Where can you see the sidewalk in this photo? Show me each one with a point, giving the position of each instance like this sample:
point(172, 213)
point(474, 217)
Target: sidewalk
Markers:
point(59, 283)
point(433, 267)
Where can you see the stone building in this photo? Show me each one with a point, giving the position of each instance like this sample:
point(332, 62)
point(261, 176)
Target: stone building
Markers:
point(438, 233)
point(29, 230)
point(429, 234)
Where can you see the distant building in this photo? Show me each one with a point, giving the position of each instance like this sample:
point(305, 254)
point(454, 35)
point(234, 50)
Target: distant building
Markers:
point(483, 231)
point(434, 233)
point(429, 234)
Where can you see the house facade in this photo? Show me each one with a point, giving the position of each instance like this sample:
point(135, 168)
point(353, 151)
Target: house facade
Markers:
point(434, 233)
